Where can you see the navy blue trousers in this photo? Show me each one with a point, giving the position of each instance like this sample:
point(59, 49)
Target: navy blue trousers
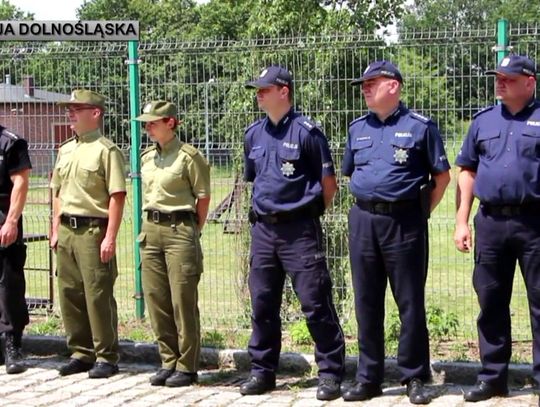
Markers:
point(499, 242)
point(13, 309)
point(294, 249)
point(389, 248)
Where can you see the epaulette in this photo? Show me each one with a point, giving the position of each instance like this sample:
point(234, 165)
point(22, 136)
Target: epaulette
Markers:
point(189, 149)
point(364, 117)
point(149, 149)
point(9, 134)
point(255, 123)
point(107, 143)
point(485, 109)
point(308, 123)
point(67, 141)
point(420, 117)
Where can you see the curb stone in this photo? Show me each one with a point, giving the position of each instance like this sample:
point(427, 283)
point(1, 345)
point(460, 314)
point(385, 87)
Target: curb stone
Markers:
point(136, 352)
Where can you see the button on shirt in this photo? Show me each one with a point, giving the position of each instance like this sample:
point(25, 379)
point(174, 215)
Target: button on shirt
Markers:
point(174, 177)
point(504, 151)
point(286, 163)
point(390, 160)
point(89, 169)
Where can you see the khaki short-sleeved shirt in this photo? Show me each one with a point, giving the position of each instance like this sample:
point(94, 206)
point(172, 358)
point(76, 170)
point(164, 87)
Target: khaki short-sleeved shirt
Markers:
point(174, 177)
point(89, 169)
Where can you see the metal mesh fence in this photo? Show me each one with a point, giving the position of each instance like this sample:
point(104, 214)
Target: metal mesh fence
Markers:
point(444, 79)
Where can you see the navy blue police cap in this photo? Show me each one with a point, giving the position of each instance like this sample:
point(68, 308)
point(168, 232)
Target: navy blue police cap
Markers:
point(514, 65)
point(379, 68)
point(272, 75)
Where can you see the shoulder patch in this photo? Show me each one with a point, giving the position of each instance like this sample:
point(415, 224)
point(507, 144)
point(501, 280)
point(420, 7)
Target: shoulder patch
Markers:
point(9, 134)
point(189, 150)
point(484, 110)
point(420, 117)
point(252, 125)
point(149, 149)
point(107, 143)
point(358, 119)
point(67, 141)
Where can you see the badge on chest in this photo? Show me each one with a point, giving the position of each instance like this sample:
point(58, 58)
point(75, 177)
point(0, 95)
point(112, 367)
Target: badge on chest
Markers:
point(287, 169)
point(401, 155)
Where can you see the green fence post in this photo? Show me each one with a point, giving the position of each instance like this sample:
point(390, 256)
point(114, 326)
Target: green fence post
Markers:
point(135, 165)
point(502, 39)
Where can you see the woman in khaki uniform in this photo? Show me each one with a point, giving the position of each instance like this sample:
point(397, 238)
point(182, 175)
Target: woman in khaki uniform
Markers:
point(176, 195)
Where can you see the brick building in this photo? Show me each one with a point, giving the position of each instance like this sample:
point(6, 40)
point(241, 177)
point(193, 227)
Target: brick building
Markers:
point(33, 114)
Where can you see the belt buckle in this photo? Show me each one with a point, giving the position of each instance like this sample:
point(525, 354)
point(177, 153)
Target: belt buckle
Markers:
point(381, 208)
point(155, 216)
point(73, 222)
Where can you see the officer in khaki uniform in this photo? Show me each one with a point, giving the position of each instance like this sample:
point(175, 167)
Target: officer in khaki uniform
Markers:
point(176, 195)
point(89, 191)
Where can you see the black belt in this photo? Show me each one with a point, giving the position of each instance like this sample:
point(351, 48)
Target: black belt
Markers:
point(388, 208)
point(75, 222)
point(169, 218)
point(312, 210)
point(529, 208)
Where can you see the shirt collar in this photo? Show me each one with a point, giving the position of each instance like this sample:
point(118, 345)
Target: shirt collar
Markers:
point(88, 136)
point(527, 109)
point(400, 109)
point(282, 124)
point(171, 145)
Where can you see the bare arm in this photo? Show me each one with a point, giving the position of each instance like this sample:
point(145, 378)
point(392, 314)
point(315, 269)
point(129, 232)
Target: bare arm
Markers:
point(116, 209)
point(441, 182)
point(329, 189)
point(53, 239)
point(9, 230)
point(202, 211)
point(464, 200)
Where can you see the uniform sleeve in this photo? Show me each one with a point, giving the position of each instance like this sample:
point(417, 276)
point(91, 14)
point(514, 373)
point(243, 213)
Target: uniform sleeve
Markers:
point(468, 154)
point(249, 165)
point(347, 166)
point(320, 157)
point(17, 157)
point(115, 176)
point(199, 176)
point(436, 154)
point(55, 179)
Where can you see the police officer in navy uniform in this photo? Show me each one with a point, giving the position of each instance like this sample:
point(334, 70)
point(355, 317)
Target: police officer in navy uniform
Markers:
point(288, 160)
point(15, 170)
point(392, 155)
point(500, 165)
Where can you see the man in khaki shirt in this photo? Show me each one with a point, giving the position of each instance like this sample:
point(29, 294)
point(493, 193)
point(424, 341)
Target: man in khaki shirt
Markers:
point(89, 191)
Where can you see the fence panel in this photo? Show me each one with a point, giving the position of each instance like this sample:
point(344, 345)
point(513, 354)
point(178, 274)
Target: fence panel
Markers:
point(444, 79)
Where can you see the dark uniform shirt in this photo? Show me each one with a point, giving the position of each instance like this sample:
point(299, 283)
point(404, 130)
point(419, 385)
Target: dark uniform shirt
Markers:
point(390, 160)
point(504, 151)
point(13, 158)
point(286, 162)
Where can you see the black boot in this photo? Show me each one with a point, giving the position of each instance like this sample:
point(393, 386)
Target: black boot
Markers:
point(13, 357)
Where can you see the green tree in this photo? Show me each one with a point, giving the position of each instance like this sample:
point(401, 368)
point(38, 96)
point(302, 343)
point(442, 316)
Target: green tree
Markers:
point(159, 19)
point(10, 12)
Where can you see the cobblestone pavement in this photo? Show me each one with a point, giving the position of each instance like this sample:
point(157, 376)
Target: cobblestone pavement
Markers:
point(40, 385)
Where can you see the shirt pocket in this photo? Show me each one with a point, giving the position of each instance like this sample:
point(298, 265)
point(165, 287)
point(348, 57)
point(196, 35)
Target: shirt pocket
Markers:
point(488, 143)
point(401, 151)
point(361, 150)
point(172, 178)
point(88, 172)
point(288, 162)
point(531, 142)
